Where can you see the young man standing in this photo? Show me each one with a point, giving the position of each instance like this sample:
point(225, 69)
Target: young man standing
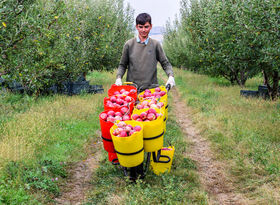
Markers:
point(140, 57)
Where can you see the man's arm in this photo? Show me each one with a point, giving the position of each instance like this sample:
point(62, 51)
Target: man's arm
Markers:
point(165, 64)
point(123, 62)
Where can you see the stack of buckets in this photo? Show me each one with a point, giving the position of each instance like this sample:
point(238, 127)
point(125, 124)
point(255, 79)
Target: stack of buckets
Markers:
point(129, 151)
point(106, 126)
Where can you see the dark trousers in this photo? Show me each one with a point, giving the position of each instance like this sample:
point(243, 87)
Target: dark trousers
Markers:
point(137, 172)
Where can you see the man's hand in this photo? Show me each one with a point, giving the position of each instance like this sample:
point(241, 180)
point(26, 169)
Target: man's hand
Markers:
point(118, 81)
point(170, 81)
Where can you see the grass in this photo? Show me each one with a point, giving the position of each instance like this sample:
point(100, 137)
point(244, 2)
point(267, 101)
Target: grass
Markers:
point(244, 132)
point(40, 137)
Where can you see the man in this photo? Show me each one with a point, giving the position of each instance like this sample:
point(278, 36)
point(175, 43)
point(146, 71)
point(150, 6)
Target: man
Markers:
point(140, 57)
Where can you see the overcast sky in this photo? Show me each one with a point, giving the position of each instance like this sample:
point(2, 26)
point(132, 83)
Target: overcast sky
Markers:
point(160, 10)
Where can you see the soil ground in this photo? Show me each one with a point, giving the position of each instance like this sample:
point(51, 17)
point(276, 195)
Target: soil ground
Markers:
point(75, 189)
point(212, 175)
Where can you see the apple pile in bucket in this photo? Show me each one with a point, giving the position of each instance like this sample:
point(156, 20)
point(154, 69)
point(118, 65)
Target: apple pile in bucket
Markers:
point(125, 92)
point(153, 103)
point(112, 116)
point(125, 130)
point(117, 101)
point(158, 93)
point(146, 116)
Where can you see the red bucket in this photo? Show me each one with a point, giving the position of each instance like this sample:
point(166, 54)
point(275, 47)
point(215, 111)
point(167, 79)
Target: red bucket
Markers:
point(113, 158)
point(129, 88)
point(105, 134)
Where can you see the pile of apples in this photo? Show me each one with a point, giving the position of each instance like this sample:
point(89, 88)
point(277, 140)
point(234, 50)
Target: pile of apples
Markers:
point(157, 94)
point(125, 92)
point(146, 116)
point(112, 116)
point(117, 101)
point(125, 130)
point(149, 104)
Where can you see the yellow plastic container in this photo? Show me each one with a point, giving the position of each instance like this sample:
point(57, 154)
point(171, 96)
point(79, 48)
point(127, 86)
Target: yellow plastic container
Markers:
point(153, 131)
point(159, 167)
point(130, 149)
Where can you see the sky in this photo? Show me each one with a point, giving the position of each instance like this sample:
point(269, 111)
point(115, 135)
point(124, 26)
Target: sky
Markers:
point(160, 10)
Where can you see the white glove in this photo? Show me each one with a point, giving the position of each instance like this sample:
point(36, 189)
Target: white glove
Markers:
point(170, 81)
point(118, 81)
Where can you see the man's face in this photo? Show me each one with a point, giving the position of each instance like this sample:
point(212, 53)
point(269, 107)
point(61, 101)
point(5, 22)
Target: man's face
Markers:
point(144, 30)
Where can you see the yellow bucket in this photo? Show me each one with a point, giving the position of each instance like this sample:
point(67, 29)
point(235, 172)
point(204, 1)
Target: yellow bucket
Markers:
point(153, 131)
point(164, 165)
point(130, 149)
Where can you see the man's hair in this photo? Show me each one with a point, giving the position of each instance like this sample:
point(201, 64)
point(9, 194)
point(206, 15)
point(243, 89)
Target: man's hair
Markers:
point(143, 18)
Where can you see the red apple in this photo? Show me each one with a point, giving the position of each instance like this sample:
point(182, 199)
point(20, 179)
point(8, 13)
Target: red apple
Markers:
point(127, 129)
point(113, 99)
point(160, 104)
point(157, 89)
point(137, 128)
point(123, 134)
point(143, 115)
point(118, 114)
point(128, 99)
point(151, 116)
point(124, 110)
point(132, 91)
point(139, 106)
point(103, 116)
point(162, 93)
point(110, 119)
point(121, 124)
point(135, 116)
point(126, 117)
point(122, 91)
point(151, 110)
point(119, 101)
point(125, 93)
point(118, 118)
point(111, 113)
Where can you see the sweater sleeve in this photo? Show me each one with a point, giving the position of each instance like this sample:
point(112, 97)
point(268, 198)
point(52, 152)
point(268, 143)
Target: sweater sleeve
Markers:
point(165, 64)
point(123, 62)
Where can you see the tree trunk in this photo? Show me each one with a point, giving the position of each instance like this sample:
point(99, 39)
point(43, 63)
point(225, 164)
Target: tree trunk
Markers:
point(275, 86)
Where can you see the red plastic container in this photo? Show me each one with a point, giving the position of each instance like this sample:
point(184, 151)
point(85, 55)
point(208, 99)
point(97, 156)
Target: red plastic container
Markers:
point(118, 88)
point(106, 107)
point(105, 134)
point(113, 158)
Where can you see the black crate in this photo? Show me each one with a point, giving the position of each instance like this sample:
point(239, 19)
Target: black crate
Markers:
point(249, 93)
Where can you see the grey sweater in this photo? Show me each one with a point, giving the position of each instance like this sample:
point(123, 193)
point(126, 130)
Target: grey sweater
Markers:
point(140, 60)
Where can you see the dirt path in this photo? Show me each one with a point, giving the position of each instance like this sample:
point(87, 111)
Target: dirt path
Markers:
point(78, 183)
point(212, 176)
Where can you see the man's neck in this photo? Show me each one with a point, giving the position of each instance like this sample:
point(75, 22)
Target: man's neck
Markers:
point(142, 39)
